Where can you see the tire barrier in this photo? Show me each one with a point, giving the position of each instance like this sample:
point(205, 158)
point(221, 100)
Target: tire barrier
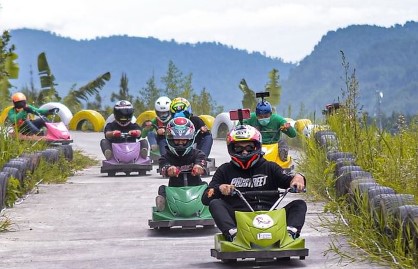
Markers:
point(385, 206)
point(87, 116)
point(65, 114)
point(4, 113)
point(27, 163)
point(221, 125)
point(146, 115)
point(208, 120)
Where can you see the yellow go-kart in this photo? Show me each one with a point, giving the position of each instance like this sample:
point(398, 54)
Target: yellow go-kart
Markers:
point(281, 157)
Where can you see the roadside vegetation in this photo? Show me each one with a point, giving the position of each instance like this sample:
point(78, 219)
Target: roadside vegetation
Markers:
point(391, 158)
point(45, 172)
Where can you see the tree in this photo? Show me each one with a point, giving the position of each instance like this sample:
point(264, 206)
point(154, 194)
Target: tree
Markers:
point(249, 100)
point(173, 81)
point(123, 91)
point(8, 68)
point(148, 95)
point(274, 88)
point(48, 93)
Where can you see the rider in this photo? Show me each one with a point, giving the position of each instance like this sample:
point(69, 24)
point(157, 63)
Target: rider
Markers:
point(123, 113)
point(180, 107)
point(271, 125)
point(180, 134)
point(19, 115)
point(248, 170)
point(157, 139)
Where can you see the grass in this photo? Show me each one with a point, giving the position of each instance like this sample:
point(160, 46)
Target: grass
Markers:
point(393, 162)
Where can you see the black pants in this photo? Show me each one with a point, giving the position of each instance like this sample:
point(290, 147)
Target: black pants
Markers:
point(32, 127)
point(224, 215)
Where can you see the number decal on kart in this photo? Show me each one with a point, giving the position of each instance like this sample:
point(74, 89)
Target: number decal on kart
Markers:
point(262, 236)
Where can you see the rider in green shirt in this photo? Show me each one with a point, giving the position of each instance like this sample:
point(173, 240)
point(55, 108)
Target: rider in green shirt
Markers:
point(271, 125)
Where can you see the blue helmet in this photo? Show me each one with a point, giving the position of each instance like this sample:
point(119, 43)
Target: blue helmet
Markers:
point(262, 108)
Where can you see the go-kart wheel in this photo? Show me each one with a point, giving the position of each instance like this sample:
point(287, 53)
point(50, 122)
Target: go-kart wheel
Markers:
point(111, 174)
point(229, 261)
point(128, 173)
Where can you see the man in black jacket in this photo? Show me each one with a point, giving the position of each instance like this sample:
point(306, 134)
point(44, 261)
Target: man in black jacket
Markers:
point(248, 170)
point(180, 155)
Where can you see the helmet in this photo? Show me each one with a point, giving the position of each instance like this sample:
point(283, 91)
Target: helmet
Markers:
point(262, 108)
point(123, 112)
point(19, 100)
point(162, 108)
point(180, 107)
point(244, 133)
point(180, 128)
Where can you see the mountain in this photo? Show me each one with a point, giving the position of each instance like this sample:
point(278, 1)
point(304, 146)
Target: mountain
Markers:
point(384, 60)
point(213, 66)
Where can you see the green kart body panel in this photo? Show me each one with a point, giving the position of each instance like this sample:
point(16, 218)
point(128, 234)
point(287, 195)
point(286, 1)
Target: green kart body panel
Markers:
point(260, 234)
point(183, 208)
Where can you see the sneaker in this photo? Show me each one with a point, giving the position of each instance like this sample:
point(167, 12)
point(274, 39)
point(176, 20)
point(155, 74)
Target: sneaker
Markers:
point(144, 153)
point(232, 233)
point(160, 203)
point(108, 154)
point(293, 232)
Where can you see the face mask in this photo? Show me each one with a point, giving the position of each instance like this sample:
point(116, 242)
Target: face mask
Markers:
point(264, 121)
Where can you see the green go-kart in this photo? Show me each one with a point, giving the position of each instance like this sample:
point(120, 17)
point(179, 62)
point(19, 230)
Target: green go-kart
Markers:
point(183, 207)
point(261, 235)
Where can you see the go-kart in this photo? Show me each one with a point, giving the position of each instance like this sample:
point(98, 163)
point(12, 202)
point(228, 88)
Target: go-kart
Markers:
point(183, 206)
point(271, 150)
point(261, 235)
point(54, 133)
point(126, 159)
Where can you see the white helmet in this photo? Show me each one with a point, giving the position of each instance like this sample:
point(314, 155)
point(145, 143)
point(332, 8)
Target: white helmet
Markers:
point(162, 108)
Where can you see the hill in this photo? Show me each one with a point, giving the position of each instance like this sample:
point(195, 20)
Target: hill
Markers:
point(214, 66)
point(384, 59)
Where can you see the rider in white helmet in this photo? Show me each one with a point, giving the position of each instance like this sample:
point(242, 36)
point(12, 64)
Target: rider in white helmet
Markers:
point(157, 138)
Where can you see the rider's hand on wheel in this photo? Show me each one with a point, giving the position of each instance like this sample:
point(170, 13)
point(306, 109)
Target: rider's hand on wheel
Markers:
point(161, 131)
point(298, 182)
point(116, 133)
point(226, 189)
point(147, 124)
point(197, 170)
point(285, 126)
point(173, 171)
point(135, 133)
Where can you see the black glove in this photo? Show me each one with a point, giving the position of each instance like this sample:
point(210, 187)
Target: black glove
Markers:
point(28, 109)
point(53, 111)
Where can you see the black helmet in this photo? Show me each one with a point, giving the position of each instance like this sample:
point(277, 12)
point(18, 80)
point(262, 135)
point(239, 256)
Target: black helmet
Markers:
point(180, 128)
point(123, 112)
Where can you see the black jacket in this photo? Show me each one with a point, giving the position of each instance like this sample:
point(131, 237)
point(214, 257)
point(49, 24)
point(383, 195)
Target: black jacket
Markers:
point(264, 175)
point(112, 126)
point(195, 156)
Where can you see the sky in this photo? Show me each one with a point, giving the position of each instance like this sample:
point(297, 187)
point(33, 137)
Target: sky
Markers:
point(286, 29)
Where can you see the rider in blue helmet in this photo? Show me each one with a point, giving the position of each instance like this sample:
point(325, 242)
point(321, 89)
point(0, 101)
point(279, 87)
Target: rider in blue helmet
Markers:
point(271, 125)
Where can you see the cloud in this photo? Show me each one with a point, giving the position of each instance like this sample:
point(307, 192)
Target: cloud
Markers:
point(286, 29)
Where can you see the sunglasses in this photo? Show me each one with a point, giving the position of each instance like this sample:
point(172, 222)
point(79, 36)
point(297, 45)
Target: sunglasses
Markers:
point(248, 148)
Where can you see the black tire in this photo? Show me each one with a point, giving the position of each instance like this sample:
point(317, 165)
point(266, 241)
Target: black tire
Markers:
point(362, 186)
point(343, 182)
point(14, 172)
point(34, 159)
point(335, 155)
point(68, 152)
point(346, 169)
point(343, 162)
point(329, 142)
point(51, 155)
point(389, 204)
point(408, 217)
point(229, 261)
point(4, 179)
point(111, 174)
point(318, 134)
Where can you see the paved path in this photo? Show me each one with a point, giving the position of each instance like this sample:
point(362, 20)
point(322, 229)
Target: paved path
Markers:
point(95, 221)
